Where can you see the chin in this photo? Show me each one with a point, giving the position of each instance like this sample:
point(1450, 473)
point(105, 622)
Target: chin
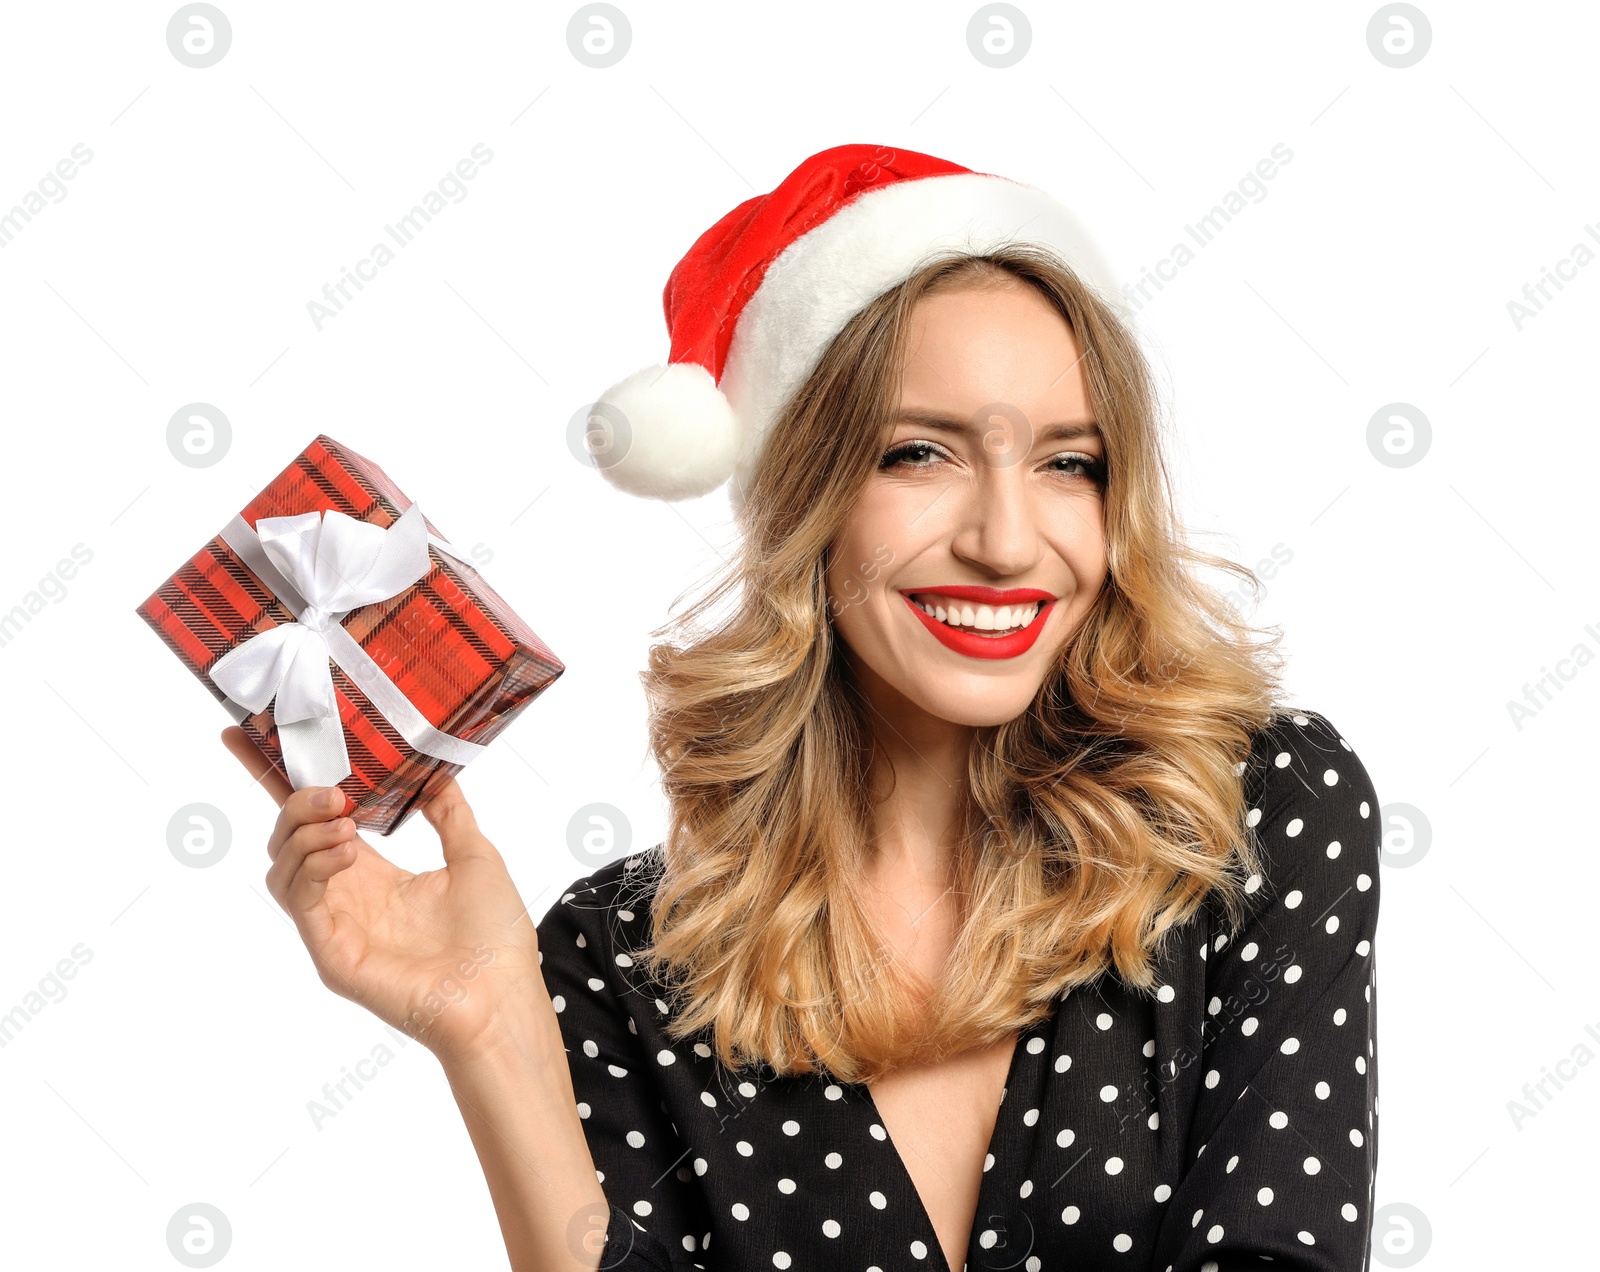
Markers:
point(986, 703)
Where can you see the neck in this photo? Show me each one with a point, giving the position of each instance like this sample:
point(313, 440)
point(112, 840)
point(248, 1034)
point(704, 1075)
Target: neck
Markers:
point(919, 781)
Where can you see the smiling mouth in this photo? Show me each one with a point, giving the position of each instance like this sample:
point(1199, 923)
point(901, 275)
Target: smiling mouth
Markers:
point(969, 616)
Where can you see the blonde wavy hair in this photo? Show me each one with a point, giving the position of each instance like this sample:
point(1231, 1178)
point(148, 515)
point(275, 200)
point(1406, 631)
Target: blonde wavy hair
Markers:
point(1096, 822)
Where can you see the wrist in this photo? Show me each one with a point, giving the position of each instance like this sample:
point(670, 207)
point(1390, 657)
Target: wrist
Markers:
point(520, 1034)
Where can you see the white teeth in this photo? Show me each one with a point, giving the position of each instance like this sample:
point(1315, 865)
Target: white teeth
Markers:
point(983, 618)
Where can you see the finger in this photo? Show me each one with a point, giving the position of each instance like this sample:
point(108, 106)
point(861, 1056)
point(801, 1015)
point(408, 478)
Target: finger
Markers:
point(309, 805)
point(301, 893)
point(307, 839)
point(260, 767)
point(322, 865)
point(308, 861)
point(448, 812)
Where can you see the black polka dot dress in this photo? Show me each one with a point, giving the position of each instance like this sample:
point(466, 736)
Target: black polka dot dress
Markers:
point(1228, 1121)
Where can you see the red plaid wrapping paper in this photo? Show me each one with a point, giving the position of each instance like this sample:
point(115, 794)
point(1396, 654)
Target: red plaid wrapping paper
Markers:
point(462, 656)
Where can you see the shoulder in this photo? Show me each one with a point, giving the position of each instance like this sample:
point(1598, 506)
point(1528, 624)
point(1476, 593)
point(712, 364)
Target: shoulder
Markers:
point(627, 883)
point(1298, 737)
point(1313, 810)
point(1287, 1016)
point(1315, 827)
point(603, 915)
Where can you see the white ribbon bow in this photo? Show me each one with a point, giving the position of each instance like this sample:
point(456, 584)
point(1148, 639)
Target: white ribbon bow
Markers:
point(336, 564)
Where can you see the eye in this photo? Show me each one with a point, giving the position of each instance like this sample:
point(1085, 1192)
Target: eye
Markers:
point(1077, 464)
point(915, 454)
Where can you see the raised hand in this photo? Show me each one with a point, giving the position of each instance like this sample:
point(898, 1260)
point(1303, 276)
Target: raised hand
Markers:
point(450, 956)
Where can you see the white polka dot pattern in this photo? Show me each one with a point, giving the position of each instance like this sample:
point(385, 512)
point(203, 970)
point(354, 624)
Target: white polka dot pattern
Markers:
point(1238, 1091)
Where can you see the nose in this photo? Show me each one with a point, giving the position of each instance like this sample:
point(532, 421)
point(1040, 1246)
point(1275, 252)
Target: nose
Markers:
point(999, 531)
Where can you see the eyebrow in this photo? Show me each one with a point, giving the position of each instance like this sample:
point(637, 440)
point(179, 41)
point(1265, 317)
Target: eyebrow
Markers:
point(1057, 432)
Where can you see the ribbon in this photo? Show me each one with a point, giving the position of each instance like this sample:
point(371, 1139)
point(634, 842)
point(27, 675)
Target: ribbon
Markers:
point(322, 566)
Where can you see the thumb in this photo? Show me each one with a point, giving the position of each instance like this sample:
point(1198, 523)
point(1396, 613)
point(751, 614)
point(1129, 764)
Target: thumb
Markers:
point(448, 812)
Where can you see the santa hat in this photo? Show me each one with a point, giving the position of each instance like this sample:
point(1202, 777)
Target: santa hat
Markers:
point(755, 302)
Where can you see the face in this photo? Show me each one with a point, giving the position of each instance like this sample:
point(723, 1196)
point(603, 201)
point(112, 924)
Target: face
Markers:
point(986, 508)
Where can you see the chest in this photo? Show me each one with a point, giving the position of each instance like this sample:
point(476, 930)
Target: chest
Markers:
point(891, 1174)
point(941, 1119)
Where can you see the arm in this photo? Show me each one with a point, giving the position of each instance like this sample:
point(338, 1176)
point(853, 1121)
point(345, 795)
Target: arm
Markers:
point(446, 956)
point(515, 1095)
point(1285, 1134)
point(561, 1100)
point(657, 1216)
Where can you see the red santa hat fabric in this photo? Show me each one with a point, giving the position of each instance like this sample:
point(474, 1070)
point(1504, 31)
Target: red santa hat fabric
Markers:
point(754, 303)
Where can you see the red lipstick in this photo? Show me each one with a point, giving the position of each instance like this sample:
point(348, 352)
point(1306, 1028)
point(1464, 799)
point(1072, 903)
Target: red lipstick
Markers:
point(984, 595)
point(969, 642)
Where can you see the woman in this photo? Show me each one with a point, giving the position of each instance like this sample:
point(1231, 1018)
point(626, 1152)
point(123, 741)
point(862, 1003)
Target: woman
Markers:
point(1005, 920)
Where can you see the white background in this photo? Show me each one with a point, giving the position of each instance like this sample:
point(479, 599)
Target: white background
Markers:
point(1419, 600)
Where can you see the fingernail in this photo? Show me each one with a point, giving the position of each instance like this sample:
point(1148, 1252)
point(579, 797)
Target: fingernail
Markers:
point(329, 799)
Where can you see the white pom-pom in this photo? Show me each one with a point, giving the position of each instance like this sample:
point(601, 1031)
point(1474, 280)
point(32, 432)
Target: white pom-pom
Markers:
point(665, 432)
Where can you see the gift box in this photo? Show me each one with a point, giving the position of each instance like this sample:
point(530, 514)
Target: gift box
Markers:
point(348, 638)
